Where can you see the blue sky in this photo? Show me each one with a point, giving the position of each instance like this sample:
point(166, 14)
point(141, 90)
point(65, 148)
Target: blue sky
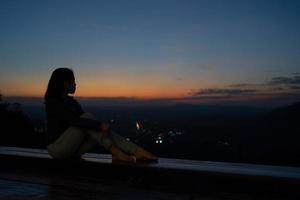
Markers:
point(151, 49)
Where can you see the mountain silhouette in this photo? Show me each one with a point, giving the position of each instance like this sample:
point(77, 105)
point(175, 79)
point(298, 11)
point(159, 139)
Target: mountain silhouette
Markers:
point(286, 114)
point(275, 137)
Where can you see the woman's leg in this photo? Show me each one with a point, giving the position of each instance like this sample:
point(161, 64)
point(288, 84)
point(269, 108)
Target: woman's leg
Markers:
point(114, 143)
point(87, 145)
point(75, 140)
point(67, 144)
point(123, 144)
point(94, 137)
point(116, 139)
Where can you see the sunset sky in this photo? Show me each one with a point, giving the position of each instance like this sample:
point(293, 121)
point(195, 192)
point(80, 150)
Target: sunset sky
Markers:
point(188, 49)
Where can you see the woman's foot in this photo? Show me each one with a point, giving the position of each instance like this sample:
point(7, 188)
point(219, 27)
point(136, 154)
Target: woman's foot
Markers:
point(118, 155)
point(142, 154)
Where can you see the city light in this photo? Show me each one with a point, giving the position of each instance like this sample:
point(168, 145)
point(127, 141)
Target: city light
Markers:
point(137, 126)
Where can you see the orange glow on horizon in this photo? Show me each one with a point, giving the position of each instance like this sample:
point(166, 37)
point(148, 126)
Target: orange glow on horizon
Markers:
point(110, 93)
point(110, 85)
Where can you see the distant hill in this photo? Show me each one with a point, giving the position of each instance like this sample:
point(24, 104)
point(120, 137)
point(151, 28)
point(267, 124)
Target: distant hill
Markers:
point(291, 112)
point(275, 138)
point(223, 110)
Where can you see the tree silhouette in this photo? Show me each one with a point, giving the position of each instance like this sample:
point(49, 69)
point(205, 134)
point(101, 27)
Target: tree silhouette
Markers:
point(16, 128)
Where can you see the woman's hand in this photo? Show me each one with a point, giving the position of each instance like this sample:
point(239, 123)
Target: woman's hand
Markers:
point(104, 128)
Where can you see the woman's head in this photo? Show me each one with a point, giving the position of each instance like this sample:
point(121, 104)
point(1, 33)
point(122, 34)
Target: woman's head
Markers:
point(62, 81)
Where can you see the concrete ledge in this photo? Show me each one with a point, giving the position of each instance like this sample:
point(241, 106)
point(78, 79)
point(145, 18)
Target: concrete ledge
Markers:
point(169, 174)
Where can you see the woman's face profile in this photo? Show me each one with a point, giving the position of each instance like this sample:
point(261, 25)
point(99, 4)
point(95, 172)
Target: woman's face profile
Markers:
point(70, 86)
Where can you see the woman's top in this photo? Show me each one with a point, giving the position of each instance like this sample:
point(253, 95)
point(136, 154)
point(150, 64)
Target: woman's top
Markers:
point(63, 113)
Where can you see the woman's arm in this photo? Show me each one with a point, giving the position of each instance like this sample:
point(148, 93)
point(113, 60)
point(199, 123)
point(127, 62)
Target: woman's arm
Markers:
point(61, 111)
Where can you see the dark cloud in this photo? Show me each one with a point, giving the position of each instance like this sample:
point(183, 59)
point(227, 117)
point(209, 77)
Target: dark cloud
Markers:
point(285, 80)
point(241, 85)
point(278, 87)
point(279, 83)
point(216, 91)
point(294, 87)
point(274, 82)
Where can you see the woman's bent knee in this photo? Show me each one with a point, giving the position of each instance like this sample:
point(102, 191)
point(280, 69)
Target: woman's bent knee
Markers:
point(67, 144)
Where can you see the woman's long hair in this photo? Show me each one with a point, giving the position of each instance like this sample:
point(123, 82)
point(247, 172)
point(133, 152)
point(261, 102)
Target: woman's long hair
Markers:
point(55, 87)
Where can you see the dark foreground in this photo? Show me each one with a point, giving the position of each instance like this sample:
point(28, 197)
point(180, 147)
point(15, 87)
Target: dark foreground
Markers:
point(31, 174)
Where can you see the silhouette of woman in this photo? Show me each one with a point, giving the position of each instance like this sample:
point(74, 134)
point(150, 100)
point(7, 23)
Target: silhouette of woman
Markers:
point(72, 132)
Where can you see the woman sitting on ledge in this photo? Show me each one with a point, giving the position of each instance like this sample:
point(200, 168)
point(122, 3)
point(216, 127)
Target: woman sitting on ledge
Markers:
point(71, 132)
